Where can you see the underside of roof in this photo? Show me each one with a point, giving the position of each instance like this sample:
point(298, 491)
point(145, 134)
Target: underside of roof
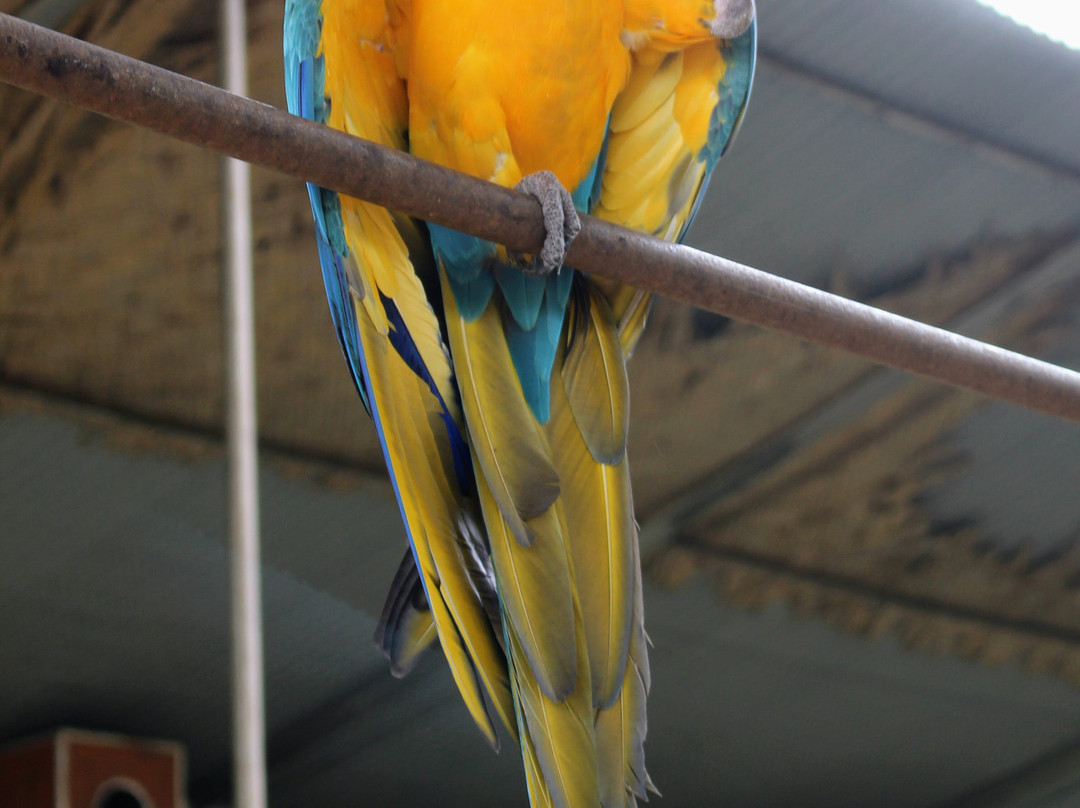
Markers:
point(861, 586)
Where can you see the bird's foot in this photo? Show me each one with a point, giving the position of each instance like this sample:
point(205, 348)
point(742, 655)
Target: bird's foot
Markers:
point(561, 223)
point(733, 17)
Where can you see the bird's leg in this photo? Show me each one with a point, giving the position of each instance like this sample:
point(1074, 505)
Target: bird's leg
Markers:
point(561, 223)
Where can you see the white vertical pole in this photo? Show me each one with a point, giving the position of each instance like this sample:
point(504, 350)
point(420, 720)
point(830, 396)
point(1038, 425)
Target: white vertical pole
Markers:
point(249, 747)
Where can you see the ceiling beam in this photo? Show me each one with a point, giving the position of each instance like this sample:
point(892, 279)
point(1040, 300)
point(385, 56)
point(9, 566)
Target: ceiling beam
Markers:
point(1052, 778)
point(923, 604)
point(903, 117)
point(170, 430)
point(1050, 277)
point(50, 13)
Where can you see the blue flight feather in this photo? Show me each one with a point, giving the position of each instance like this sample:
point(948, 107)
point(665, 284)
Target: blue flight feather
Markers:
point(305, 93)
point(404, 344)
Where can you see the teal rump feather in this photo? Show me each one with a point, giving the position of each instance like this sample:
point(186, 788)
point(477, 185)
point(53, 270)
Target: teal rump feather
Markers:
point(536, 306)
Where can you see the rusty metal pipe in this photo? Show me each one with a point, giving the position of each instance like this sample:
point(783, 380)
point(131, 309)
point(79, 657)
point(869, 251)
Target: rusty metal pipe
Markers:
point(105, 82)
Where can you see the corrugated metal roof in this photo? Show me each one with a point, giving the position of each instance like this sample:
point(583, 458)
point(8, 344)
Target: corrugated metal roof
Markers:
point(816, 187)
point(955, 61)
point(1020, 476)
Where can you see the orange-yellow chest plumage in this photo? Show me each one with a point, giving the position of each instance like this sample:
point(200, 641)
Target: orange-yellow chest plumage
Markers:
point(501, 90)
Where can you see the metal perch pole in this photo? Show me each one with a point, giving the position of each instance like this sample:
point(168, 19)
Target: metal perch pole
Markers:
point(249, 723)
point(126, 89)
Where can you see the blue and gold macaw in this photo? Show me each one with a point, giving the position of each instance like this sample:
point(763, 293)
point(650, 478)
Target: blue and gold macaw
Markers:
point(497, 382)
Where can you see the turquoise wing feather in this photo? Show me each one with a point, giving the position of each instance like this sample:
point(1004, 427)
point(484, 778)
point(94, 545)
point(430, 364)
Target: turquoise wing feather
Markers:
point(536, 305)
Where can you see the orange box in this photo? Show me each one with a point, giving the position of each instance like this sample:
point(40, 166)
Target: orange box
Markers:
point(77, 769)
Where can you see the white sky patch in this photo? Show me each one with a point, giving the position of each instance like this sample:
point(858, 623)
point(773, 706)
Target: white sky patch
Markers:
point(1056, 19)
